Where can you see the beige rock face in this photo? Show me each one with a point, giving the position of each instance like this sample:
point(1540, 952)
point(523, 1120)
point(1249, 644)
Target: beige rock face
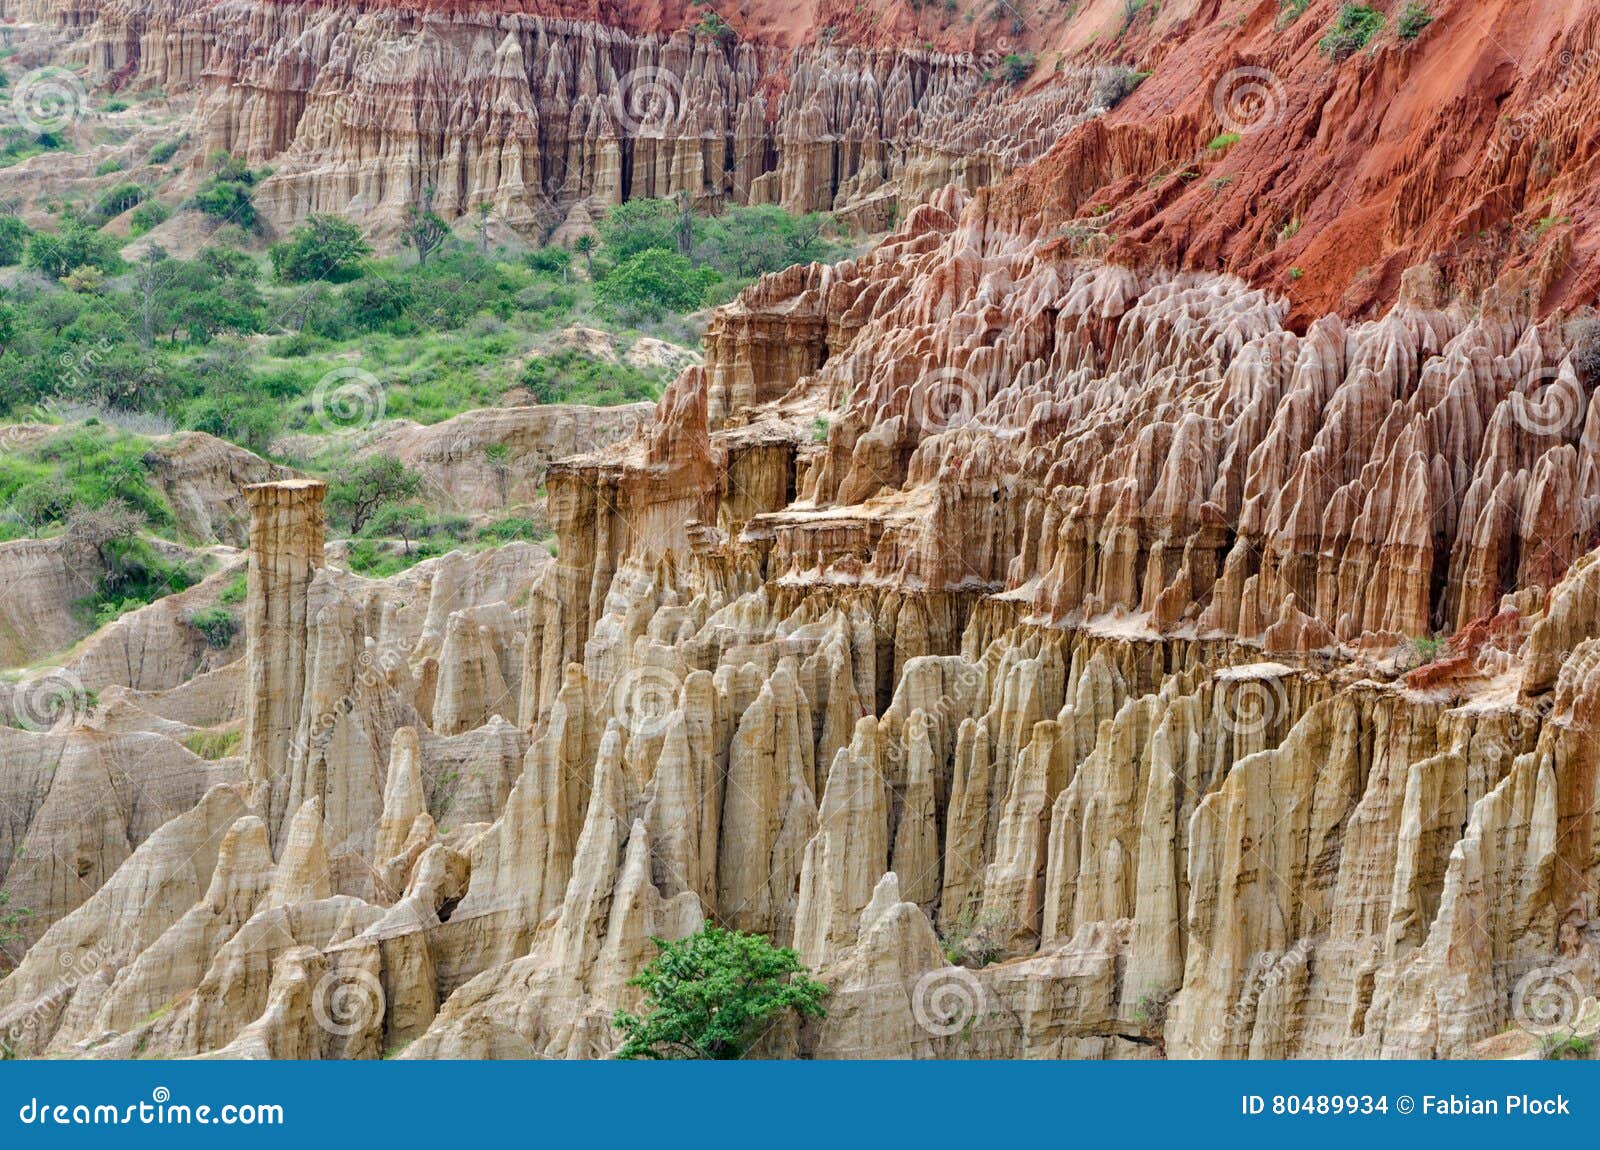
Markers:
point(359, 107)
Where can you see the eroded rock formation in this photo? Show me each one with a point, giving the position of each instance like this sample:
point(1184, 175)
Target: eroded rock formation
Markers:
point(1211, 684)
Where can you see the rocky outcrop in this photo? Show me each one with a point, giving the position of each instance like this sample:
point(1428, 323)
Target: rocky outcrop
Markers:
point(360, 107)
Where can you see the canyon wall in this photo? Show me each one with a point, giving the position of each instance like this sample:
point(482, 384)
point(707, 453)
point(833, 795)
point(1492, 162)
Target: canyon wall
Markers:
point(369, 109)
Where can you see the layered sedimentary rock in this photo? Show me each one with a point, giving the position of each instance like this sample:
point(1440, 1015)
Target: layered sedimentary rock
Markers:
point(365, 108)
point(1069, 659)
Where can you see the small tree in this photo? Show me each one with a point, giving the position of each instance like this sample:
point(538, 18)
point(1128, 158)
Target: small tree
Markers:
point(425, 231)
point(323, 248)
point(713, 995)
point(407, 521)
point(13, 239)
point(584, 245)
point(654, 281)
point(368, 486)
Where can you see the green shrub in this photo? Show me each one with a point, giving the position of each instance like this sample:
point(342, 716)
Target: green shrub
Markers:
point(551, 261)
point(1413, 19)
point(214, 745)
point(147, 217)
point(713, 995)
point(653, 282)
point(569, 376)
point(509, 530)
point(1291, 10)
point(75, 245)
point(164, 151)
point(13, 240)
point(323, 248)
point(226, 194)
point(1557, 1047)
point(1016, 67)
point(1355, 25)
point(236, 590)
point(217, 624)
point(1223, 142)
point(116, 200)
point(108, 166)
point(638, 226)
point(11, 919)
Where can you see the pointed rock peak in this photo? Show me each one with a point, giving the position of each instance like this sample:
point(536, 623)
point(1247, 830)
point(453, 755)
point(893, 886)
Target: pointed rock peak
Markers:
point(302, 874)
point(885, 895)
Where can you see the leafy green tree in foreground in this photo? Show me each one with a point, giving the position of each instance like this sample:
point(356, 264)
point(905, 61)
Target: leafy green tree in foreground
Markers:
point(713, 995)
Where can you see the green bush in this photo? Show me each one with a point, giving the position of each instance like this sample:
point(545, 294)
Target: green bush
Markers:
point(509, 530)
point(116, 200)
point(58, 254)
point(1016, 67)
point(569, 376)
point(236, 590)
point(323, 248)
point(79, 467)
point(147, 217)
point(13, 240)
point(651, 283)
point(1223, 142)
point(226, 195)
point(1352, 28)
point(638, 226)
point(550, 261)
point(164, 151)
point(713, 995)
point(11, 919)
point(217, 624)
point(1413, 19)
point(214, 745)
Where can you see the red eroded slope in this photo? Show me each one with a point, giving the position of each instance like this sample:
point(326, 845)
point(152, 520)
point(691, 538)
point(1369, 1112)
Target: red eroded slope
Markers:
point(1475, 143)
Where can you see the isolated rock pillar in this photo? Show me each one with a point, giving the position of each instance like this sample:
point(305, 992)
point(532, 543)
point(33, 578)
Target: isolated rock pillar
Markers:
point(285, 551)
